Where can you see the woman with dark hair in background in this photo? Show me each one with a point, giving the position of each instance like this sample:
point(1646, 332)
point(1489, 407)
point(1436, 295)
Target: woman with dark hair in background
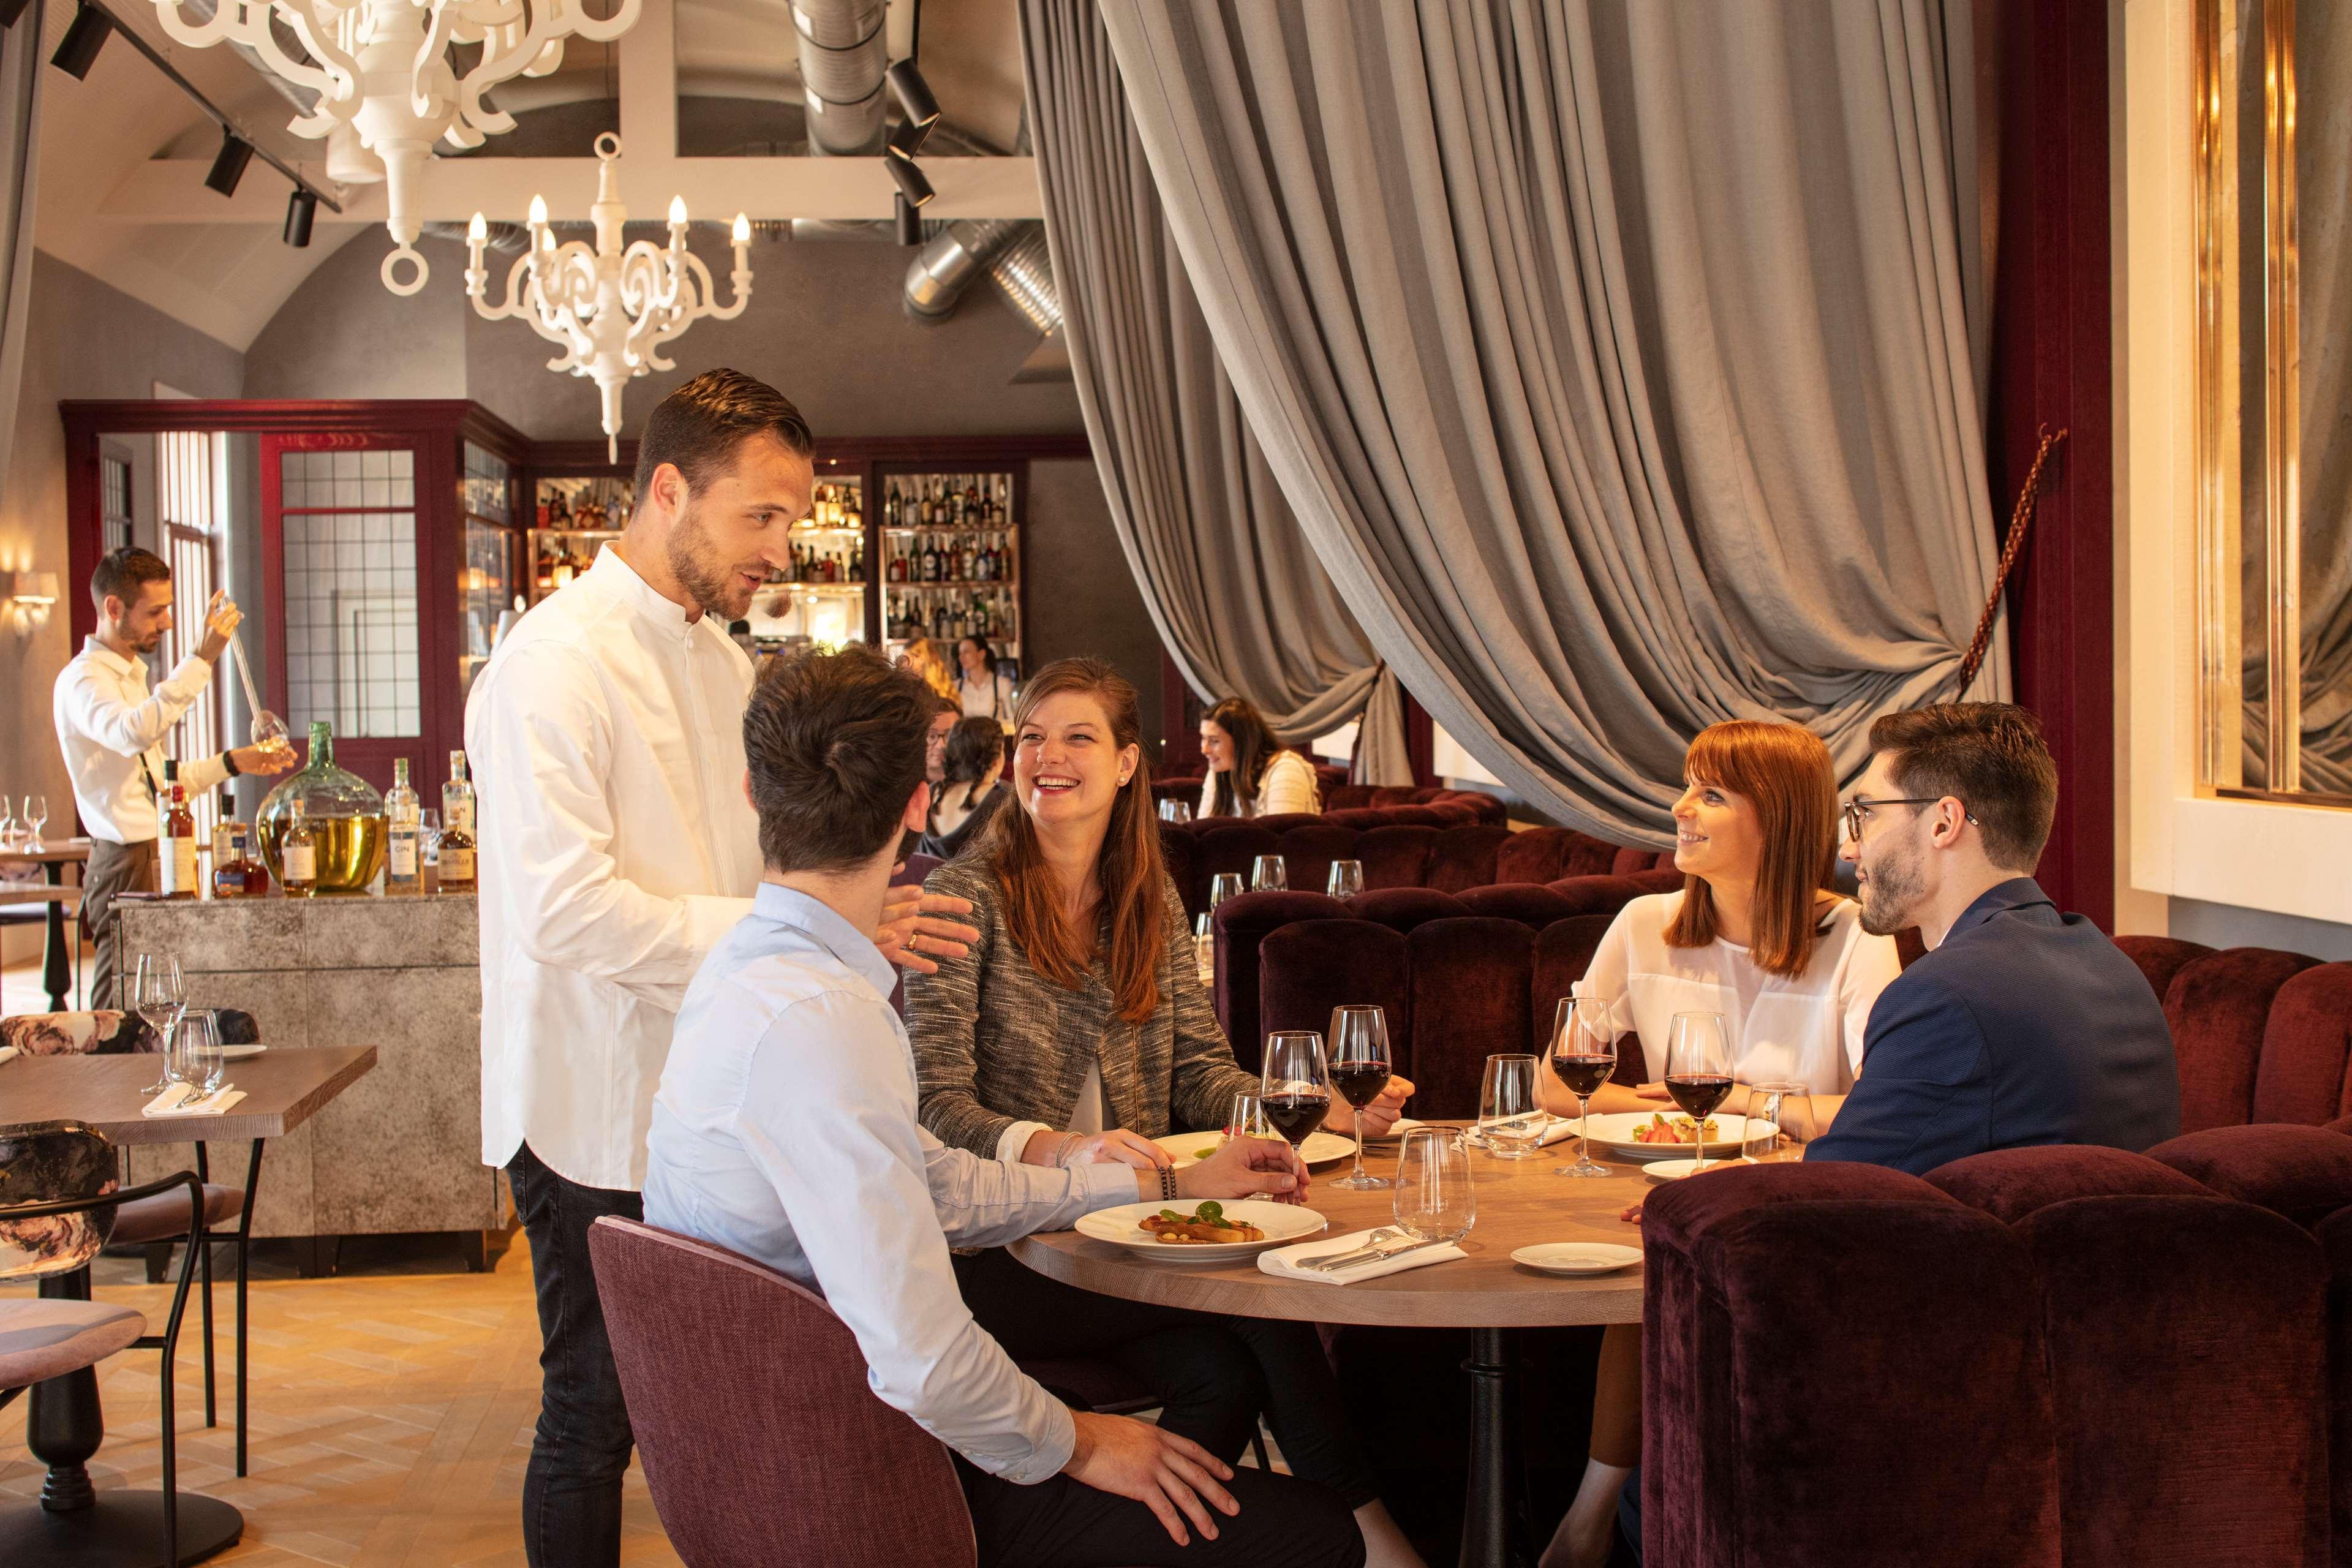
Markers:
point(984, 691)
point(972, 790)
point(1249, 773)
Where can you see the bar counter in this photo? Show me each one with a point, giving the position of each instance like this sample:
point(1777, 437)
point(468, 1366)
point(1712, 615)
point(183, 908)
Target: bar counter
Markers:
point(401, 1150)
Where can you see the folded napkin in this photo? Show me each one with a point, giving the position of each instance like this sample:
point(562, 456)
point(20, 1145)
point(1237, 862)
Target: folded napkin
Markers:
point(1284, 1261)
point(1558, 1130)
point(8, 1054)
point(184, 1099)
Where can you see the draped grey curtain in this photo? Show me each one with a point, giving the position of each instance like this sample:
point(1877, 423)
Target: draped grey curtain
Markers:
point(1614, 355)
point(20, 79)
point(1230, 582)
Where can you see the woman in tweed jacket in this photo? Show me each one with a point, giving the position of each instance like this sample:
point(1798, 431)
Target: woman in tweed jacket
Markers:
point(1078, 1030)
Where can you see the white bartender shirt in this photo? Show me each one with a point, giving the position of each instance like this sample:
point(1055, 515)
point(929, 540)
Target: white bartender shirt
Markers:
point(112, 729)
point(606, 734)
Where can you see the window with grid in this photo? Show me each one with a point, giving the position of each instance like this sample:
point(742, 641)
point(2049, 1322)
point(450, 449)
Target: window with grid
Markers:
point(488, 583)
point(350, 534)
point(188, 502)
point(114, 501)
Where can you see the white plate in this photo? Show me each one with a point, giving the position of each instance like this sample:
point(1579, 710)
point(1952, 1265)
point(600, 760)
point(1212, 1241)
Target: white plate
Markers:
point(238, 1053)
point(1675, 1170)
point(1283, 1224)
point(1615, 1132)
point(1320, 1149)
point(1577, 1259)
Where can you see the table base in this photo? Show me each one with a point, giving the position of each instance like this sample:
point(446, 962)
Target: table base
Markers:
point(1495, 1528)
point(122, 1530)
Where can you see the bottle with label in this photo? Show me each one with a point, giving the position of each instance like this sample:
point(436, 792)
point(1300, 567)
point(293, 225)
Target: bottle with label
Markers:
point(298, 852)
point(404, 815)
point(237, 872)
point(458, 840)
point(175, 857)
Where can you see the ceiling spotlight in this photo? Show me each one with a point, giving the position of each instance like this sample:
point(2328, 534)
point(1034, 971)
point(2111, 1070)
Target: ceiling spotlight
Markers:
point(10, 10)
point(914, 94)
point(301, 210)
point(85, 36)
point(228, 163)
point(910, 222)
point(909, 138)
point(916, 190)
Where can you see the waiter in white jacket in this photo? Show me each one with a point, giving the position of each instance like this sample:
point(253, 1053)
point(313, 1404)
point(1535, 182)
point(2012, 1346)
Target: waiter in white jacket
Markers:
point(618, 845)
point(112, 729)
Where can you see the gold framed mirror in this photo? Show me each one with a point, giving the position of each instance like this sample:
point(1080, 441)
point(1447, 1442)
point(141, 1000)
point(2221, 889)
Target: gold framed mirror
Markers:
point(2274, 221)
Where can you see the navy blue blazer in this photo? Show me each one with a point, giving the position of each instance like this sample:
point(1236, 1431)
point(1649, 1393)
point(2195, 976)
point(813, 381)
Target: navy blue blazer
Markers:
point(2025, 1026)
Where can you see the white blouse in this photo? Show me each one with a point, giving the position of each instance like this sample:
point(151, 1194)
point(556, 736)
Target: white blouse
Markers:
point(989, 698)
point(1807, 1029)
point(1287, 784)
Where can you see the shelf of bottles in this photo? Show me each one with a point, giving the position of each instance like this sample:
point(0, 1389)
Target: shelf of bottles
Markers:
point(486, 588)
point(821, 597)
point(950, 559)
point(574, 517)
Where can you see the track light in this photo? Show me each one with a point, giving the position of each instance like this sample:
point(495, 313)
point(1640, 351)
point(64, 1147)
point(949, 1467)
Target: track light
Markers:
point(916, 190)
point(85, 36)
point(10, 10)
point(914, 94)
point(910, 222)
point(228, 163)
point(909, 138)
point(301, 210)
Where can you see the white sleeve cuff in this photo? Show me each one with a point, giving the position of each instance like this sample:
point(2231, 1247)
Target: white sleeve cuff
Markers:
point(1016, 1138)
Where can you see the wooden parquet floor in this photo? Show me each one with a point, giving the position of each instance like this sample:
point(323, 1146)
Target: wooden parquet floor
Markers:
point(392, 1404)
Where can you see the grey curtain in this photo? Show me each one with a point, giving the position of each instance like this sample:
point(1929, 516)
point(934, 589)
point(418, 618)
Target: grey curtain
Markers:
point(20, 80)
point(1614, 355)
point(1229, 579)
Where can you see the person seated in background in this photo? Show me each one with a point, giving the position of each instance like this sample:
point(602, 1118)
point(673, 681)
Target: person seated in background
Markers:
point(972, 790)
point(922, 656)
point(1754, 935)
point(2021, 1026)
point(784, 1130)
point(1075, 1033)
point(1249, 773)
point(935, 743)
point(982, 688)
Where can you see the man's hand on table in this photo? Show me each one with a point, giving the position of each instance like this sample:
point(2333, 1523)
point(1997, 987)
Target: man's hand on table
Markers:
point(1173, 1477)
point(1245, 1168)
point(1377, 1117)
point(915, 931)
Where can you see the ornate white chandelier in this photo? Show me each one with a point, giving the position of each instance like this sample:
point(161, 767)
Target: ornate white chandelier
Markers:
point(382, 67)
point(609, 309)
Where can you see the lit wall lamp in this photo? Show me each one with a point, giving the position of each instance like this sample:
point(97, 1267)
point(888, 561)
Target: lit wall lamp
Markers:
point(31, 596)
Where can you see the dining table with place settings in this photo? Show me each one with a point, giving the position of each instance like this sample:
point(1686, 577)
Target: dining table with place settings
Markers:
point(53, 856)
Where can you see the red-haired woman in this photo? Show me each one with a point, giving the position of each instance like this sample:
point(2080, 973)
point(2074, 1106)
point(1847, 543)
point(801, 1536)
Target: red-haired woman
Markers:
point(1754, 934)
point(1078, 1030)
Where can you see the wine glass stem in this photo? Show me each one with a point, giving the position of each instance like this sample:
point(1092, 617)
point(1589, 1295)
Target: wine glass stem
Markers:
point(1584, 1130)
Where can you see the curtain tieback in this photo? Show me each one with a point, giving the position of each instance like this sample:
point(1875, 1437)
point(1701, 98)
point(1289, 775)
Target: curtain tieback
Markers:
point(2018, 520)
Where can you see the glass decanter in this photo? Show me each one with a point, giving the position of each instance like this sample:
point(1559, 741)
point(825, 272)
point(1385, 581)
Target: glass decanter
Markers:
point(346, 817)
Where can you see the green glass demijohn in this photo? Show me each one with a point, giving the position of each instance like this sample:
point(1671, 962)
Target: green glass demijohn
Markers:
point(346, 816)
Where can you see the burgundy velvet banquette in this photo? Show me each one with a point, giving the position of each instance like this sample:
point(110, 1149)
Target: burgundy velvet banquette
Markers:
point(2260, 1035)
point(1437, 847)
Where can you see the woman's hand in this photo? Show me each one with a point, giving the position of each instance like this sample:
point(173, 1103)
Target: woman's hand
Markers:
point(1247, 1168)
point(1173, 1477)
point(1651, 1091)
point(913, 934)
point(1115, 1147)
point(1377, 1117)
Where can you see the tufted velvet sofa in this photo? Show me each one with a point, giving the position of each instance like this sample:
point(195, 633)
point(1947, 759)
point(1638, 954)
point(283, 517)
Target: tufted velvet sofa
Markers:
point(2154, 1364)
point(2261, 1035)
point(1441, 845)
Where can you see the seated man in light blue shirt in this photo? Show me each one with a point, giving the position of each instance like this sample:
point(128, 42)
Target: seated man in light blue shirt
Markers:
point(785, 1130)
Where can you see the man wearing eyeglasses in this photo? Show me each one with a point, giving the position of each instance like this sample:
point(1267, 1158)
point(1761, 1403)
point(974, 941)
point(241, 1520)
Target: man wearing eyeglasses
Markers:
point(2021, 1026)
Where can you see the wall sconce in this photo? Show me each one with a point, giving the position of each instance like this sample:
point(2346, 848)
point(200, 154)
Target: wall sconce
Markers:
point(31, 596)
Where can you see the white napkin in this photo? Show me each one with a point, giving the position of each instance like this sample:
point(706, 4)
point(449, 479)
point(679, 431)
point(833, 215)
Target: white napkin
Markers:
point(182, 1100)
point(1283, 1261)
point(8, 1054)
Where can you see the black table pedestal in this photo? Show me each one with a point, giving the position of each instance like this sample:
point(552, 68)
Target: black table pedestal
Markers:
point(56, 959)
point(1494, 1530)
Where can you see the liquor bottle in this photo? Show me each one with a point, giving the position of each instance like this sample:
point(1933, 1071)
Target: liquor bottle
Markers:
point(967, 559)
point(857, 563)
point(237, 874)
point(175, 860)
point(457, 798)
point(298, 852)
point(456, 853)
point(971, 500)
point(403, 817)
point(930, 562)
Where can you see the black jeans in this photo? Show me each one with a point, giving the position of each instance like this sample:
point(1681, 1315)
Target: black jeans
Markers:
point(572, 1492)
point(1212, 1374)
point(1059, 1523)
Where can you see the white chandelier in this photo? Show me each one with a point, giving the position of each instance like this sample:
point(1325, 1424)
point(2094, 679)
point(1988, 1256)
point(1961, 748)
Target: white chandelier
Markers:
point(609, 309)
point(382, 67)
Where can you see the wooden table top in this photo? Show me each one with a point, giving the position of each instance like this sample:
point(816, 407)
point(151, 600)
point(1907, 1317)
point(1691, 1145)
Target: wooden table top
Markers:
point(283, 1089)
point(55, 849)
point(1520, 1203)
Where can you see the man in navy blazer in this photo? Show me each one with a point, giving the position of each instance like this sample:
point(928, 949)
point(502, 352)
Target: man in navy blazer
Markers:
point(2021, 1026)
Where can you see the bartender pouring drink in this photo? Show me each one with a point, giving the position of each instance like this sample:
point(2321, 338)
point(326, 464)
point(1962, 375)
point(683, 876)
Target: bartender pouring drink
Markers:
point(112, 729)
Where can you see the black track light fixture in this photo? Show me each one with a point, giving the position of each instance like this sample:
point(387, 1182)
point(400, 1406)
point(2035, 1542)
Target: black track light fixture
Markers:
point(85, 36)
point(914, 189)
point(228, 163)
point(910, 222)
point(301, 211)
point(909, 138)
point(10, 10)
point(914, 94)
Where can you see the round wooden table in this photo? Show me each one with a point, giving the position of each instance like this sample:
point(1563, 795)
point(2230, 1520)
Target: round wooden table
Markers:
point(1520, 1203)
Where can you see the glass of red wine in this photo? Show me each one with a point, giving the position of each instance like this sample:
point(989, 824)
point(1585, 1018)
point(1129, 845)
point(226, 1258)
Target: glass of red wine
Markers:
point(1359, 1070)
point(1583, 1054)
point(1699, 1071)
point(1295, 1086)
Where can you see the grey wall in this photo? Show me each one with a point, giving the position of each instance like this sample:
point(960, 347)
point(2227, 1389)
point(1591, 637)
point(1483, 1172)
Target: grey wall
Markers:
point(2226, 925)
point(344, 335)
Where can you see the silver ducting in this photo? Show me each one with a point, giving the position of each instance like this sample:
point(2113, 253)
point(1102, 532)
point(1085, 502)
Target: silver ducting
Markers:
point(843, 52)
point(945, 268)
point(1025, 271)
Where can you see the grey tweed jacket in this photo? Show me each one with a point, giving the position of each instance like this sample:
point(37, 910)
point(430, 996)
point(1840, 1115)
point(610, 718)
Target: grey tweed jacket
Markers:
point(996, 1043)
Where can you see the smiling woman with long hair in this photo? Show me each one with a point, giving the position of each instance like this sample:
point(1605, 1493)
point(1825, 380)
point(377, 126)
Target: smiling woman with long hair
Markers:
point(1077, 1031)
point(1249, 773)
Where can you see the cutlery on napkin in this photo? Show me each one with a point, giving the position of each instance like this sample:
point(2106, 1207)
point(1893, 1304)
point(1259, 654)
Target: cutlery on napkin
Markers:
point(183, 1099)
point(1288, 1262)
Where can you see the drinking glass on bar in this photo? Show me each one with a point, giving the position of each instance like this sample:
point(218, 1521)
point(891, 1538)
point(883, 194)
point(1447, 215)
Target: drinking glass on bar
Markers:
point(1346, 879)
point(1295, 1086)
point(201, 1062)
point(1268, 872)
point(1583, 1054)
point(153, 992)
point(1222, 886)
point(1510, 1110)
point(1360, 1070)
point(1435, 1200)
point(1780, 1122)
point(1699, 1071)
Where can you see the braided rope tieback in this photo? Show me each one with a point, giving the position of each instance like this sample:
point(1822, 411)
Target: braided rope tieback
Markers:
point(2018, 520)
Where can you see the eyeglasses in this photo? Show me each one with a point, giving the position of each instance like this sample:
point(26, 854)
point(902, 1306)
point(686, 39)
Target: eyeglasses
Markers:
point(1856, 812)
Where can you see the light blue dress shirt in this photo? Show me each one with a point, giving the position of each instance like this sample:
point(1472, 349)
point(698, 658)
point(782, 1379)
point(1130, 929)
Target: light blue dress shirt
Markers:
point(784, 1130)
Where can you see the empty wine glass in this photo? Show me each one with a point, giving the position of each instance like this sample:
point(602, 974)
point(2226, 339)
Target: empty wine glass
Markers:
point(1268, 872)
point(1295, 1086)
point(1204, 947)
point(1346, 879)
point(154, 993)
point(1510, 1110)
point(1222, 886)
point(201, 1062)
point(36, 812)
point(1176, 811)
point(1583, 1054)
point(1435, 1200)
point(1780, 1123)
point(1699, 1071)
point(1360, 1070)
point(7, 825)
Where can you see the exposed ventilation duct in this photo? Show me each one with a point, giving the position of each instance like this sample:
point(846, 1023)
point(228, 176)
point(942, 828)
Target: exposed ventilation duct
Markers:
point(1025, 270)
point(945, 268)
point(843, 53)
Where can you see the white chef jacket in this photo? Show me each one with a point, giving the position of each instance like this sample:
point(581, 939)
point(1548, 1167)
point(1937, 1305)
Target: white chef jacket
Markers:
point(112, 729)
point(616, 849)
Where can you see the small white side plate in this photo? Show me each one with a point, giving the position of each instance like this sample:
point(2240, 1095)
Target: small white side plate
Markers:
point(238, 1053)
point(1577, 1259)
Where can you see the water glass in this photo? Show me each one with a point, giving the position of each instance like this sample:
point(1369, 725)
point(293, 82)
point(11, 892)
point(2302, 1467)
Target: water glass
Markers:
point(1268, 872)
point(7, 825)
point(35, 813)
point(1699, 1070)
point(429, 836)
point(1433, 1198)
point(201, 1062)
point(1510, 1108)
point(1176, 811)
point(1204, 948)
point(1222, 886)
point(1346, 879)
point(1583, 1054)
point(1780, 1123)
point(153, 992)
point(1358, 1053)
point(1247, 1117)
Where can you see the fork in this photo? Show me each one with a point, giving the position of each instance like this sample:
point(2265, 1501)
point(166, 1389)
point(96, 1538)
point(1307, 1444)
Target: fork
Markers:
point(1371, 1248)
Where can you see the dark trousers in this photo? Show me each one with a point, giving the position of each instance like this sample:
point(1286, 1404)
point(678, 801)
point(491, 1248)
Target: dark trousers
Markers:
point(572, 1492)
point(1060, 1524)
point(112, 868)
point(1212, 1374)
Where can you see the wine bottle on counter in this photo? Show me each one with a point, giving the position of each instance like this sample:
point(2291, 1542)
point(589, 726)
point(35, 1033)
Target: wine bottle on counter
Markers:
point(298, 856)
point(176, 861)
point(457, 796)
point(457, 861)
point(403, 875)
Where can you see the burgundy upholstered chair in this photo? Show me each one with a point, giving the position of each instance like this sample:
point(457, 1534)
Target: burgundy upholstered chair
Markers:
point(1229, 847)
point(1180, 850)
point(1471, 982)
point(2307, 1048)
point(1530, 903)
point(2302, 1173)
point(1401, 909)
point(1463, 857)
point(1547, 853)
point(1310, 968)
point(2009, 1183)
point(2334, 1236)
point(1563, 949)
point(1308, 849)
point(762, 1445)
point(1396, 854)
point(2161, 957)
point(1629, 862)
point(1607, 895)
point(2219, 1007)
point(1242, 925)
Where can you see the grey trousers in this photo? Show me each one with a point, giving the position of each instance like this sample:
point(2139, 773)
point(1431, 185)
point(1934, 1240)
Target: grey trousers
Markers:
point(113, 869)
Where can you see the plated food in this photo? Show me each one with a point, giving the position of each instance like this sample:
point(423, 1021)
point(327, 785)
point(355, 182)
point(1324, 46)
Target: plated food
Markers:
point(1205, 1225)
point(1661, 1128)
point(1208, 1232)
point(1647, 1135)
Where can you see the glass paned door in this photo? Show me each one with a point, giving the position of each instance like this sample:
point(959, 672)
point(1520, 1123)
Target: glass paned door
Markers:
point(350, 545)
point(185, 498)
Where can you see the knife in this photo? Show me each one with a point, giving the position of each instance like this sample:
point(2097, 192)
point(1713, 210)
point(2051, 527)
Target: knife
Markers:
point(1365, 1255)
